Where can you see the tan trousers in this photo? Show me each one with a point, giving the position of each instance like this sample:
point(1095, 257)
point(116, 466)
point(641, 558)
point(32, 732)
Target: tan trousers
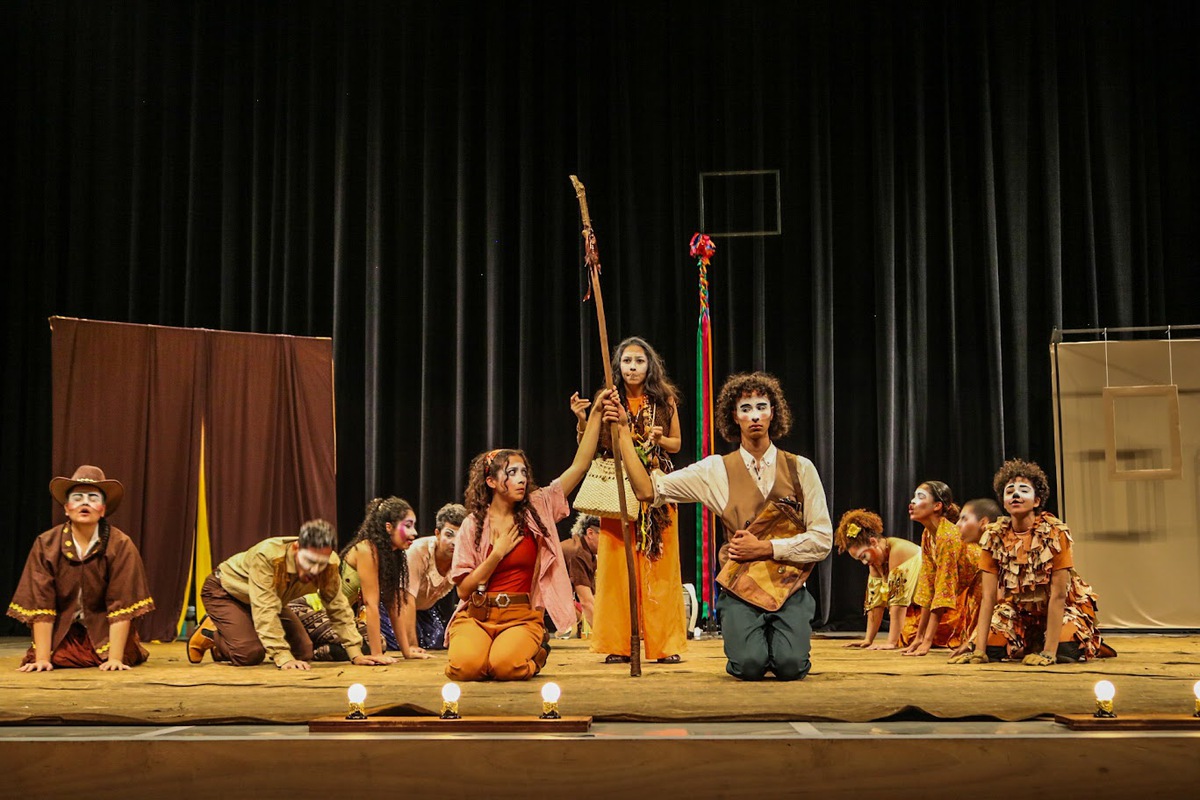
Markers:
point(500, 643)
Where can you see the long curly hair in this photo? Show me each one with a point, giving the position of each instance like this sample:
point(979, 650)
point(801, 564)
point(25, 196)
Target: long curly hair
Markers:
point(658, 387)
point(478, 496)
point(869, 525)
point(1020, 468)
point(751, 383)
point(393, 563)
point(942, 494)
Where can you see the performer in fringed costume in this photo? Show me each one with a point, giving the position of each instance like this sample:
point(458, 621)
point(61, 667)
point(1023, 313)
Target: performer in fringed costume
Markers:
point(83, 583)
point(948, 587)
point(649, 398)
point(1047, 614)
point(894, 565)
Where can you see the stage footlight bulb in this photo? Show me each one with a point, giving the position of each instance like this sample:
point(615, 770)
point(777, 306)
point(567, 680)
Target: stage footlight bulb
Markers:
point(1196, 691)
point(1105, 692)
point(550, 695)
point(450, 695)
point(357, 695)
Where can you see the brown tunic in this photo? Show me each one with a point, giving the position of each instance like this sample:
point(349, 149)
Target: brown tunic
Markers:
point(107, 586)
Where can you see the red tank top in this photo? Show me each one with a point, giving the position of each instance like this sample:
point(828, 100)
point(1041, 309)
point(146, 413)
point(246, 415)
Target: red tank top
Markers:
point(514, 573)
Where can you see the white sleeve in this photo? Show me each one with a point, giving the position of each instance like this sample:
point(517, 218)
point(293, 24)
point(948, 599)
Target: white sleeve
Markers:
point(817, 540)
point(704, 482)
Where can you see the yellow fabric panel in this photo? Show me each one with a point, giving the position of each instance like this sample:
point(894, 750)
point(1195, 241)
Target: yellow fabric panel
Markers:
point(202, 565)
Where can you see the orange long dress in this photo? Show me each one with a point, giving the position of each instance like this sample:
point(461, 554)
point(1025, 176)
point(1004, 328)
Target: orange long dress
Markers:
point(660, 591)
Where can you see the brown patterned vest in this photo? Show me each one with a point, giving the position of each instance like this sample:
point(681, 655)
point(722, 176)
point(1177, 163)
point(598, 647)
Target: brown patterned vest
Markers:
point(745, 500)
point(768, 583)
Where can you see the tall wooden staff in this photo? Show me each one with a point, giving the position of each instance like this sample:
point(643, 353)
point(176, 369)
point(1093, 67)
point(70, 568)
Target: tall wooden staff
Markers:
point(592, 259)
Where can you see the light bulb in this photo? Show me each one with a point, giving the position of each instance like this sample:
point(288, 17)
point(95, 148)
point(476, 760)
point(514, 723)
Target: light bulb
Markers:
point(551, 693)
point(450, 695)
point(356, 694)
point(1105, 691)
point(1196, 691)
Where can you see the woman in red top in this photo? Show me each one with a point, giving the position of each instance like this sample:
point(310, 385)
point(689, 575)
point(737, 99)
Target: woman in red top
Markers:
point(509, 567)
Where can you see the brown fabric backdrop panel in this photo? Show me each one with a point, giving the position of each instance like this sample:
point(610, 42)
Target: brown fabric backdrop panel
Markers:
point(124, 400)
point(270, 441)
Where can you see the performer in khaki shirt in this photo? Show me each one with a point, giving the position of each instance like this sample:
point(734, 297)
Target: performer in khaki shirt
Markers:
point(247, 595)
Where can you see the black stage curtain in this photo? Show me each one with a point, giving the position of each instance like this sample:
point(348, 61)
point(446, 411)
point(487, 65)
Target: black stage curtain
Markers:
point(958, 178)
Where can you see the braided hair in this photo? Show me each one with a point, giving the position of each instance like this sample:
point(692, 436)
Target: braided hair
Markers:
point(392, 562)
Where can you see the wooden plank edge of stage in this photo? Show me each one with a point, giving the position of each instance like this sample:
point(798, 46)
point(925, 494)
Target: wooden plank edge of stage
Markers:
point(1117, 765)
point(433, 724)
point(1132, 722)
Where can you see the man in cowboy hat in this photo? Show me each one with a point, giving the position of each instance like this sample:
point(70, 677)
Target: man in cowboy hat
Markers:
point(83, 583)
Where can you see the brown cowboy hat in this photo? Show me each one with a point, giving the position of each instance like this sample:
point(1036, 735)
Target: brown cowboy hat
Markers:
point(90, 476)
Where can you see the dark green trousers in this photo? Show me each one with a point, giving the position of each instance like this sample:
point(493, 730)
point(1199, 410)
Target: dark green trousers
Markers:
point(758, 641)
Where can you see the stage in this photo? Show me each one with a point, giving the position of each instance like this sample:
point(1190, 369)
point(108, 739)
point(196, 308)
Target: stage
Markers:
point(930, 729)
point(1152, 673)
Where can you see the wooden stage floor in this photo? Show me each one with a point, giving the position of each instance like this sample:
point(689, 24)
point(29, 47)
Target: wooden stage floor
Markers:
point(1153, 674)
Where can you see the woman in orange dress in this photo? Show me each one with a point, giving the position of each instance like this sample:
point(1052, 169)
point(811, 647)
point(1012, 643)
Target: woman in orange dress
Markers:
point(649, 398)
point(949, 587)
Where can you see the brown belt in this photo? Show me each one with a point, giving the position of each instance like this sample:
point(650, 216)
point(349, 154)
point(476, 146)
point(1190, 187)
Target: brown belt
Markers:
point(499, 599)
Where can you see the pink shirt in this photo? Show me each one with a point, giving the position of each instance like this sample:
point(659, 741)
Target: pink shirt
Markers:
point(551, 588)
point(425, 583)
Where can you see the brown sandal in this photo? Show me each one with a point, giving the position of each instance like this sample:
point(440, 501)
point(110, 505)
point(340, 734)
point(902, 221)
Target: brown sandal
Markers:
point(616, 659)
point(675, 659)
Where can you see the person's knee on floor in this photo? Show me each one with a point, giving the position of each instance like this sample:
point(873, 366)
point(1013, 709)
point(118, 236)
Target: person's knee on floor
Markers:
point(791, 667)
point(749, 668)
point(251, 656)
point(467, 666)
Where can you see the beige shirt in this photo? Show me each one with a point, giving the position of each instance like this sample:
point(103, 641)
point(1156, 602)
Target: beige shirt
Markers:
point(425, 583)
point(249, 576)
point(707, 482)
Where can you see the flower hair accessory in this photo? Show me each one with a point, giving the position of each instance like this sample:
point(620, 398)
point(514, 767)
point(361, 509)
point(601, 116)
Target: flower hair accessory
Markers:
point(853, 530)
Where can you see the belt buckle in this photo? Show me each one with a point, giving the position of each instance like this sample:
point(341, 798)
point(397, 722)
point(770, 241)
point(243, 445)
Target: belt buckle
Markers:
point(503, 600)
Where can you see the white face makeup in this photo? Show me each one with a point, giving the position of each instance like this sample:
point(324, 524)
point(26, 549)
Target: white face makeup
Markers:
point(85, 506)
point(1020, 496)
point(865, 553)
point(634, 365)
point(403, 532)
point(312, 561)
point(753, 414)
point(922, 503)
point(511, 481)
point(445, 539)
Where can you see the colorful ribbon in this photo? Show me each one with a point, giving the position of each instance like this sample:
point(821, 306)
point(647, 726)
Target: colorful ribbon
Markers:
point(702, 249)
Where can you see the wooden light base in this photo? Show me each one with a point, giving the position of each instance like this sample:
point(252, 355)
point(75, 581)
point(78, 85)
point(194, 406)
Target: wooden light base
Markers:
point(1132, 722)
point(379, 721)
